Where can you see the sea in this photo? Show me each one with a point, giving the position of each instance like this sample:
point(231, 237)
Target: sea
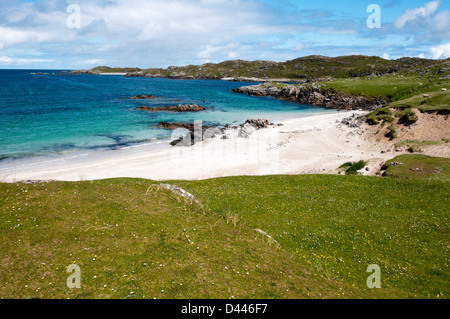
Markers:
point(49, 113)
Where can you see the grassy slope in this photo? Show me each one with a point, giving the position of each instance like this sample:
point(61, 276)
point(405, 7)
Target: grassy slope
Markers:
point(341, 224)
point(435, 168)
point(128, 239)
point(133, 240)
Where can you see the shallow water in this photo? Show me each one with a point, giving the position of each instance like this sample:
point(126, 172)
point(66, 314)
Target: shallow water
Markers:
point(48, 114)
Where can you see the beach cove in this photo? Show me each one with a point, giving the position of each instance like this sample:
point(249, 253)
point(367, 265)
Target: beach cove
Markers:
point(316, 144)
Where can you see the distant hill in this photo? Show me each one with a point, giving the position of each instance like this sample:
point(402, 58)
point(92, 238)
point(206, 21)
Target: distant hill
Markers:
point(309, 67)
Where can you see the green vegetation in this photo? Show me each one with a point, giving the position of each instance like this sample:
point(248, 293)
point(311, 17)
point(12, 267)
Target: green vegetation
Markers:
point(406, 117)
point(352, 168)
point(416, 166)
point(417, 146)
point(338, 225)
point(403, 93)
point(309, 67)
point(134, 240)
point(381, 115)
point(106, 69)
point(391, 132)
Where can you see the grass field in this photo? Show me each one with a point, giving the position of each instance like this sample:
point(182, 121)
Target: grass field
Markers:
point(416, 166)
point(133, 240)
point(402, 93)
point(338, 225)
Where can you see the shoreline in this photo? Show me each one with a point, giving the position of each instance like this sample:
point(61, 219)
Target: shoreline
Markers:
point(313, 144)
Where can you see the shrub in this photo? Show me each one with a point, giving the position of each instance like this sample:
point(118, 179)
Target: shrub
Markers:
point(352, 168)
point(407, 117)
point(391, 133)
point(384, 114)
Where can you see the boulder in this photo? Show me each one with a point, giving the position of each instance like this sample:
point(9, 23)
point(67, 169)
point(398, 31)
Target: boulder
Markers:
point(246, 130)
point(258, 123)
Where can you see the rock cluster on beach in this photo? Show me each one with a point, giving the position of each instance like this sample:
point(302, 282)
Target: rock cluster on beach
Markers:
point(311, 95)
point(177, 108)
point(195, 135)
point(174, 126)
point(252, 125)
point(354, 121)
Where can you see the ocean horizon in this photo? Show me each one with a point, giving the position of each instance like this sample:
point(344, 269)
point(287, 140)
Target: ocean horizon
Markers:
point(46, 113)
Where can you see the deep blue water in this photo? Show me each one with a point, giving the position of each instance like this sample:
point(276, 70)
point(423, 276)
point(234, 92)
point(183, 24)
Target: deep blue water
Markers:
point(45, 114)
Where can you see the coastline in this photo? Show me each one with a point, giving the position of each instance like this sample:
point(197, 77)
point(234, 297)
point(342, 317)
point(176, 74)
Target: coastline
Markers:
point(314, 144)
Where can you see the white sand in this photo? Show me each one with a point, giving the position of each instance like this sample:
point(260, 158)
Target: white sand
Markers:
point(313, 144)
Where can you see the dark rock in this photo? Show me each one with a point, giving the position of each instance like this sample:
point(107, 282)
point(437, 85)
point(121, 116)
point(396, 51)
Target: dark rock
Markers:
point(174, 126)
point(395, 164)
point(178, 108)
point(258, 123)
point(194, 134)
point(353, 121)
point(143, 97)
point(317, 95)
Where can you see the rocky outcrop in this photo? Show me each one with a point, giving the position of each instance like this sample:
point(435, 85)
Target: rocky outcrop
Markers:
point(258, 123)
point(198, 134)
point(79, 72)
point(174, 126)
point(252, 125)
point(259, 80)
point(353, 121)
point(178, 108)
point(312, 95)
point(143, 97)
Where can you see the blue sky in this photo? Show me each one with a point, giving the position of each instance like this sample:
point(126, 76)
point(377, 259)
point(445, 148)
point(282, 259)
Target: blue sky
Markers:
point(160, 33)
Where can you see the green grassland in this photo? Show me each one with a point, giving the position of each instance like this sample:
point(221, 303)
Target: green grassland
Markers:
point(402, 93)
point(417, 166)
point(133, 240)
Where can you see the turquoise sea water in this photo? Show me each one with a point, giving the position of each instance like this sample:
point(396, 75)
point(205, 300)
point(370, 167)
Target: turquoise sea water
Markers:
point(47, 114)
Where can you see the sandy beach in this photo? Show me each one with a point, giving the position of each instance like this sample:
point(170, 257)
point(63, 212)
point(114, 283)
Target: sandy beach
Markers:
point(316, 144)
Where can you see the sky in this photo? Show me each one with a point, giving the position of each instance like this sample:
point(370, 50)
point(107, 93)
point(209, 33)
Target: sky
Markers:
point(76, 34)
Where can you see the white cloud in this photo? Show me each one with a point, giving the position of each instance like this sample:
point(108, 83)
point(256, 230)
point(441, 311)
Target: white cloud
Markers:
point(299, 47)
point(440, 51)
point(19, 61)
point(10, 36)
point(386, 56)
point(160, 32)
point(232, 56)
point(413, 15)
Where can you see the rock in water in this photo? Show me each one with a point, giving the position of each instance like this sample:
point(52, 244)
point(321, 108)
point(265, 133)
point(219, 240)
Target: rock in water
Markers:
point(143, 97)
point(178, 108)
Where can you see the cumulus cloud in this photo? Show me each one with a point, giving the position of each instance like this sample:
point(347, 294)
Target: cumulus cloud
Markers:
point(414, 15)
point(440, 51)
point(138, 28)
point(159, 33)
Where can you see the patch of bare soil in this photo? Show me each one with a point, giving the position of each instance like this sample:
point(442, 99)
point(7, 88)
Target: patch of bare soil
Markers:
point(429, 127)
